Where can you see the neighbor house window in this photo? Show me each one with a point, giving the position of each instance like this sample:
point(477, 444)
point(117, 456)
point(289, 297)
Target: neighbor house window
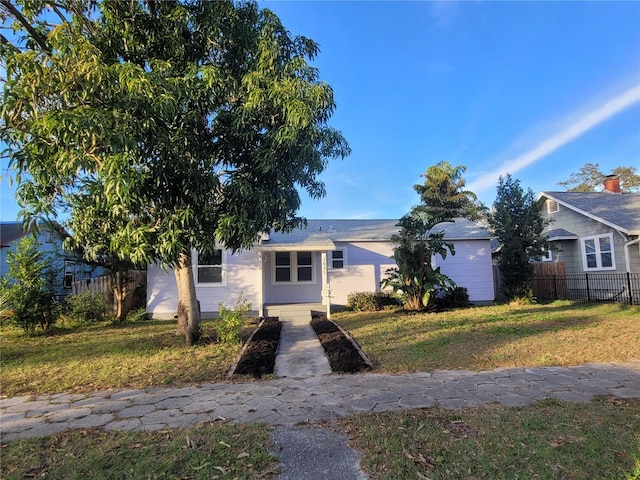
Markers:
point(552, 206)
point(598, 252)
point(210, 268)
point(338, 259)
point(69, 273)
point(293, 267)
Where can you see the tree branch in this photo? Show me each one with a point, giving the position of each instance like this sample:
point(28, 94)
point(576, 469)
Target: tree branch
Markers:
point(6, 42)
point(39, 39)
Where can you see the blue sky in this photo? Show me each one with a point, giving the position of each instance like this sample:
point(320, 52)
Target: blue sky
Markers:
point(536, 89)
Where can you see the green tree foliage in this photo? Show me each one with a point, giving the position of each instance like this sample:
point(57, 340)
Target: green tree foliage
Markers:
point(164, 126)
point(443, 198)
point(591, 179)
point(518, 224)
point(27, 291)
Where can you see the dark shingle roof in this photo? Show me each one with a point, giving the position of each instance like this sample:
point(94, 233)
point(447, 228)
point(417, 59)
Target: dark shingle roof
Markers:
point(620, 211)
point(10, 231)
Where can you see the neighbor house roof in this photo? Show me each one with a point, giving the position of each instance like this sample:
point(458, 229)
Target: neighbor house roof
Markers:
point(617, 210)
point(322, 234)
point(10, 231)
point(560, 234)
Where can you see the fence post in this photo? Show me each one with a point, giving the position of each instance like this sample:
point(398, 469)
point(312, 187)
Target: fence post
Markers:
point(555, 288)
point(629, 288)
point(586, 276)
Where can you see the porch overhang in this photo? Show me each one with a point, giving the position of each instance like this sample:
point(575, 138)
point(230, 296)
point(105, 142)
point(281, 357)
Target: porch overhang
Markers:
point(322, 246)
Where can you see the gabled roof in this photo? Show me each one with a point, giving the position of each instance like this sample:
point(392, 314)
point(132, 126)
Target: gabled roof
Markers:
point(10, 231)
point(617, 210)
point(560, 234)
point(322, 234)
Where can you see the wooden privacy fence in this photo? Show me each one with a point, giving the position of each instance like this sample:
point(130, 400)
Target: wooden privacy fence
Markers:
point(589, 287)
point(134, 283)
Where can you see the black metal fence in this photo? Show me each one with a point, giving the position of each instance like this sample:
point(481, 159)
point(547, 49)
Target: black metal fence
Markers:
point(589, 287)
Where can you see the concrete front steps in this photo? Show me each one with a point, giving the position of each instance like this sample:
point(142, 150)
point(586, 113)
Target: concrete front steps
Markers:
point(300, 354)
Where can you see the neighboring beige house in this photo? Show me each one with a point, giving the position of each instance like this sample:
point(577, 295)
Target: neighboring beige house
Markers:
point(594, 232)
point(318, 267)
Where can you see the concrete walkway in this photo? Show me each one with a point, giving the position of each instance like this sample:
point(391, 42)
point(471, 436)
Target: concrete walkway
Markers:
point(289, 401)
point(300, 354)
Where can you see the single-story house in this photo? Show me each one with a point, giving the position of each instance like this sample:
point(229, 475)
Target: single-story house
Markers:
point(68, 267)
point(317, 266)
point(595, 232)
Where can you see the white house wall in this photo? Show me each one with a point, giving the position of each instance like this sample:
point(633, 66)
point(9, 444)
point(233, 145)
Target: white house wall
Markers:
point(471, 268)
point(366, 264)
point(242, 275)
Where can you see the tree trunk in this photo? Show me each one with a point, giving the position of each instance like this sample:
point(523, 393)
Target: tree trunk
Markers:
point(120, 293)
point(188, 309)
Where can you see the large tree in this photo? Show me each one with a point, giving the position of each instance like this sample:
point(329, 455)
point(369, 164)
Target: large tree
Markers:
point(183, 124)
point(591, 179)
point(518, 225)
point(443, 198)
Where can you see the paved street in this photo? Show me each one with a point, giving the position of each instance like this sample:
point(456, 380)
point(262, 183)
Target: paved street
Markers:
point(288, 401)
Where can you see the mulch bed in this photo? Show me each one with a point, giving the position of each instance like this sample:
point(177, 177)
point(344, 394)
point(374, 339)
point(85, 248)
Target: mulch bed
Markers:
point(259, 358)
point(344, 356)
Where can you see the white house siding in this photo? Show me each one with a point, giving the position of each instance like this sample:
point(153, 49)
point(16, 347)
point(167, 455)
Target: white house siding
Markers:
point(471, 268)
point(242, 276)
point(571, 250)
point(366, 263)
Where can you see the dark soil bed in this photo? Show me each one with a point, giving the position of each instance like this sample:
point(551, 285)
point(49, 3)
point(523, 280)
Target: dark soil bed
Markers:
point(344, 356)
point(259, 358)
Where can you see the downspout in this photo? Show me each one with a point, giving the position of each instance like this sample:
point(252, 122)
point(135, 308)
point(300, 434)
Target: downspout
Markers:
point(627, 260)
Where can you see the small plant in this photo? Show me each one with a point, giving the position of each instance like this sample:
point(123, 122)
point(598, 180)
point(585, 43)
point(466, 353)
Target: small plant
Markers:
point(370, 301)
point(137, 315)
point(457, 297)
point(231, 320)
point(26, 294)
point(85, 307)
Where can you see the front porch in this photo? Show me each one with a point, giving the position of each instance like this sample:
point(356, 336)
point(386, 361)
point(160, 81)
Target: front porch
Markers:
point(279, 309)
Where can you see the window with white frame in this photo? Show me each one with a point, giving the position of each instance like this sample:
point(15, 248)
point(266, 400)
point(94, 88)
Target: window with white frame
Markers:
point(210, 268)
point(547, 257)
point(552, 206)
point(293, 267)
point(338, 259)
point(598, 252)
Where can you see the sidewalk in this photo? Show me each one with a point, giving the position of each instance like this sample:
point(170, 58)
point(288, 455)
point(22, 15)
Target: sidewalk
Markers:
point(288, 401)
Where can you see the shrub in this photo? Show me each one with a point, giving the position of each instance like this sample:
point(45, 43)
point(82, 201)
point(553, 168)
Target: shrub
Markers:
point(457, 297)
point(86, 307)
point(231, 320)
point(370, 301)
point(26, 293)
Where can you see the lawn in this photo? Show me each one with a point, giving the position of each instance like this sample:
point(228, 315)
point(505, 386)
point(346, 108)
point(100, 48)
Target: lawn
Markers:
point(104, 355)
point(484, 338)
point(548, 440)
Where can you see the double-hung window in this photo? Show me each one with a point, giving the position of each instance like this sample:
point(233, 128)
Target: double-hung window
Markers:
point(293, 267)
point(338, 259)
point(598, 252)
point(210, 268)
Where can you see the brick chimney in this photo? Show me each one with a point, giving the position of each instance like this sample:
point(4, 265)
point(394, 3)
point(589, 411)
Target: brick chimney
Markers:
point(612, 184)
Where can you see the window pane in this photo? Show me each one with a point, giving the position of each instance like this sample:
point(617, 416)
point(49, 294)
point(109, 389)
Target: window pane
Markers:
point(337, 264)
point(590, 246)
point(209, 274)
point(605, 244)
point(337, 254)
point(214, 258)
point(304, 274)
point(304, 258)
point(283, 258)
point(283, 275)
point(606, 260)
point(591, 261)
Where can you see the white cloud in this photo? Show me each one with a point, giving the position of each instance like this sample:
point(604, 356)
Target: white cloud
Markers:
point(581, 125)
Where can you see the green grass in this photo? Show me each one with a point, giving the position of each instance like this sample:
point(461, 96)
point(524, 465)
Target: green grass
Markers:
point(103, 356)
point(559, 333)
point(208, 451)
point(550, 440)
